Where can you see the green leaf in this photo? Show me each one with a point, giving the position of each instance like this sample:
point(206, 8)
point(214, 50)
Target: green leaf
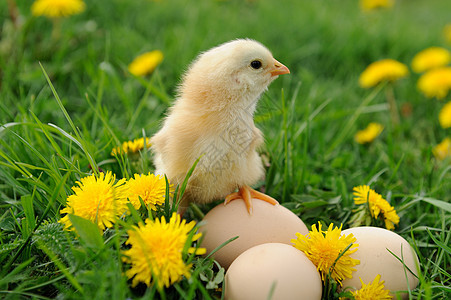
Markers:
point(185, 181)
point(134, 213)
point(55, 259)
point(27, 204)
point(441, 244)
point(55, 194)
point(15, 274)
point(314, 204)
point(438, 203)
point(79, 141)
point(88, 231)
point(219, 277)
point(220, 246)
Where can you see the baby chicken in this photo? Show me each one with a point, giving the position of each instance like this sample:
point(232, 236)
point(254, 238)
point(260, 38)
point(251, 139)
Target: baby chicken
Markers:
point(212, 119)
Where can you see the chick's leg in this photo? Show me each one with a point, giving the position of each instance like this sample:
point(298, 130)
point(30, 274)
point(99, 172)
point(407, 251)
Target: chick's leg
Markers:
point(247, 193)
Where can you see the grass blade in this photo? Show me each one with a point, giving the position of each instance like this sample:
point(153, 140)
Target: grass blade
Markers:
point(79, 139)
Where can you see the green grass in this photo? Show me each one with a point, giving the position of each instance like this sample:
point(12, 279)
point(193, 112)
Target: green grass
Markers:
point(52, 138)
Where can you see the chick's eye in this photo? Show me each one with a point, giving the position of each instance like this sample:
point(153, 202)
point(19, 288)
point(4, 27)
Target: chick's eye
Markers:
point(256, 64)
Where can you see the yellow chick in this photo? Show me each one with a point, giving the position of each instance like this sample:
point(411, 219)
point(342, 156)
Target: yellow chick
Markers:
point(212, 119)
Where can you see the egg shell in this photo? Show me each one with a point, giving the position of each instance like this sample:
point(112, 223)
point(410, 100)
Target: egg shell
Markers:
point(267, 224)
point(376, 259)
point(276, 266)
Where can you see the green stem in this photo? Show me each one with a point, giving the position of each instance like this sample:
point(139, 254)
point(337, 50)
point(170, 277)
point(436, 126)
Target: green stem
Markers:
point(390, 96)
point(56, 30)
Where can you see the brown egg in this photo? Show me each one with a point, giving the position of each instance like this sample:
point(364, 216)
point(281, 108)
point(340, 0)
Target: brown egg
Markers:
point(376, 259)
point(267, 224)
point(275, 269)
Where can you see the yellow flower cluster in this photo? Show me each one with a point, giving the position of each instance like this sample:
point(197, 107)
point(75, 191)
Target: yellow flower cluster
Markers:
point(367, 135)
point(324, 247)
point(377, 205)
point(381, 71)
point(157, 251)
point(145, 63)
point(131, 146)
point(436, 82)
point(57, 8)
point(367, 5)
point(102, 200)
point(430, 58)
point(157, 247)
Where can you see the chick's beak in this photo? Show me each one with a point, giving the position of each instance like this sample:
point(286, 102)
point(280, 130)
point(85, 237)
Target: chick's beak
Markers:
point(279, 69)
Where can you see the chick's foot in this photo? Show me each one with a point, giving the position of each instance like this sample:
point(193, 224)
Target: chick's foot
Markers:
point(247, 193)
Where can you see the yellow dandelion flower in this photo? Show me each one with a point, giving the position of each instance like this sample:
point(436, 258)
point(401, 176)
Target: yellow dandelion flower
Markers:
point(372, 291)
point(131, 146)
point(442, 150)
point(382, 70)
point(447, 33)
point(430, 58)
point(391, 218)
point(98, 199)
point(323, 249)
point(57, 8)
point(367, 5)
point(156, 253)
point(137, 145)
point(435, 83)
point(367, 135)
point(120, 149)
point(365, 195)
point(145, 63)
point(444, 116)
point(150, 188)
